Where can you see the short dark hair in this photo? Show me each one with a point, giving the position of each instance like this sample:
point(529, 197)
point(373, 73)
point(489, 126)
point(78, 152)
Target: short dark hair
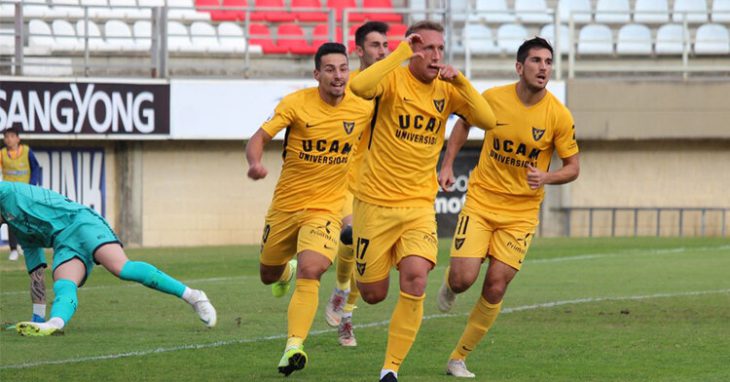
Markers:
point(12, 130)
point(367, 28)
point(537, 42)
point(328, 48)
point(425, 24)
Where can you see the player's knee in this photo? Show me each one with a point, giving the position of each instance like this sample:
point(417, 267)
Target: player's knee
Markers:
point(311, 271)
point(372, 296)
point(346, 235)
point(459, 285)
point(494, 293)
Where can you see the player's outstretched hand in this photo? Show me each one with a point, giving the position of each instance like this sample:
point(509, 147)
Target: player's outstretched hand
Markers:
point(257, 171)
point(446, 178)
point(535, 177)
point(448, 73)
point(415, 41)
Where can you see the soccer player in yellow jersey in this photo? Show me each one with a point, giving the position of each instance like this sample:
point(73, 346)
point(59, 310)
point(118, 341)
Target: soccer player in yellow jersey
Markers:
point(505, 190)
point(371, 45)
point(322, 125)
point(394, 217)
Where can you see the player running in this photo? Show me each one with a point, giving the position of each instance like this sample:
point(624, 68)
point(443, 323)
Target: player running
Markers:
point(505, 190)
point(394, 216)
point(322, 125)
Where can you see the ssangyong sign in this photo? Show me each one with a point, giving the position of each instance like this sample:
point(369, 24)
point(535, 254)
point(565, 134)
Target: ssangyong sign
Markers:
point(85, 108)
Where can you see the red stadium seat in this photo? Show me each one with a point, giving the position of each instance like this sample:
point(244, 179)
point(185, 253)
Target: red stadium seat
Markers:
point(259, 34)
point(207, 6)
point(291, 38)
point(308, 16)
point(320, 35)
point(396, 34)
point(271, 15)
point(231, 15)
point(384, 17)
point(339, 5)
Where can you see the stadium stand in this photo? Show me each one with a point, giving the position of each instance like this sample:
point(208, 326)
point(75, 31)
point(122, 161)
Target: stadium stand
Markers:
point(695, 10)
point(493, 11)
point(532, 11)
point(651, 11)
point(634, 39)
point(595, 39)
point(510, 37)
point(670, 39)
point(604, 31)
point(613, 11)
point(580, 10)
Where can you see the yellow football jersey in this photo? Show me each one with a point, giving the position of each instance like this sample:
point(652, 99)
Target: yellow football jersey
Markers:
point(399, 169)
point(524, 135)
point(318, 146)
point(362, 146)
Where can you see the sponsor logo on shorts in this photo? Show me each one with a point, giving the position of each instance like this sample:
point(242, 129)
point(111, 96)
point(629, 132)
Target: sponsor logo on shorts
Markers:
point(516, 247)
point(360, 268)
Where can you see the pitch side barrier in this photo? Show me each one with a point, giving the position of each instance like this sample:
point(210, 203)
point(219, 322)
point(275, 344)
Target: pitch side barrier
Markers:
point(645, 221)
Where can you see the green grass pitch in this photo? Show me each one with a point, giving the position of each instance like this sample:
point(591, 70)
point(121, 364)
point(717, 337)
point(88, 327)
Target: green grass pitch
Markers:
point(619, 309)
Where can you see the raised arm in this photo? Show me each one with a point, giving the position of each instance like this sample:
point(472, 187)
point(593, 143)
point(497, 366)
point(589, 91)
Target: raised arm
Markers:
point(365, 84)
point(456, 141)
point(254, 153)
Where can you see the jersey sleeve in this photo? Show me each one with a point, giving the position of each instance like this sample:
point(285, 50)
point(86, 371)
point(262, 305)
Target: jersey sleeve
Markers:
point(34, 258)
point(35, 169)
point(282, 118)
point(369, 83)
point(472, 106)
point(565, 142)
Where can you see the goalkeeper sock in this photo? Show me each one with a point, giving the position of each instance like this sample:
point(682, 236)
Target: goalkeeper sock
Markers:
point(65, 302)
point(151, 277)
point(481, 319)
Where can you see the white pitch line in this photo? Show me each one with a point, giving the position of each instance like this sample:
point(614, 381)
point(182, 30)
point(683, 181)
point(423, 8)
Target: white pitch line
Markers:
point(642, 252)
point(129, 285)
point(361, 326)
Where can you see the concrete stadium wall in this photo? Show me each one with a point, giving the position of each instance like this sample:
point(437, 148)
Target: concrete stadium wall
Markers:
point(643, 144)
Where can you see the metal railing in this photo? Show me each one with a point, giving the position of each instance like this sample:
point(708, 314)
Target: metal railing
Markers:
point(458, 44)
point(668, 221)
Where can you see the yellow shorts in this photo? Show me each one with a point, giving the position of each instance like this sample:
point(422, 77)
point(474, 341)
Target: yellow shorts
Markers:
point(289, 233)
point(347, 208)
point(480, 234)
point(382, 236)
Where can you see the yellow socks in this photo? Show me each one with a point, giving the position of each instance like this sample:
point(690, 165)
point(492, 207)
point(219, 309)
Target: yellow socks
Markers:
point(353, 296)
point(344, 266)
point(302, 308)
point(481, 319)
point(404, 325)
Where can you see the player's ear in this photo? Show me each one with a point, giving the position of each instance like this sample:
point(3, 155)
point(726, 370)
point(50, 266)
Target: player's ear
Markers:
point(315, 72)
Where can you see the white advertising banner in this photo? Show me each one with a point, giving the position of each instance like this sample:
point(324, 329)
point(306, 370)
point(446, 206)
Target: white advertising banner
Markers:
point(235, 109)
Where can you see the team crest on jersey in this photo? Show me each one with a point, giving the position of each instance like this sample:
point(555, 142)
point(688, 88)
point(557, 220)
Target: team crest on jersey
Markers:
point(439, 103)
point(537, 133)
point(349, 126)
point(459, 242)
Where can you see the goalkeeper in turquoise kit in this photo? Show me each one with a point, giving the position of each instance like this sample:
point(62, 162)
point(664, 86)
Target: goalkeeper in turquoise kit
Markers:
point(79, 237)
